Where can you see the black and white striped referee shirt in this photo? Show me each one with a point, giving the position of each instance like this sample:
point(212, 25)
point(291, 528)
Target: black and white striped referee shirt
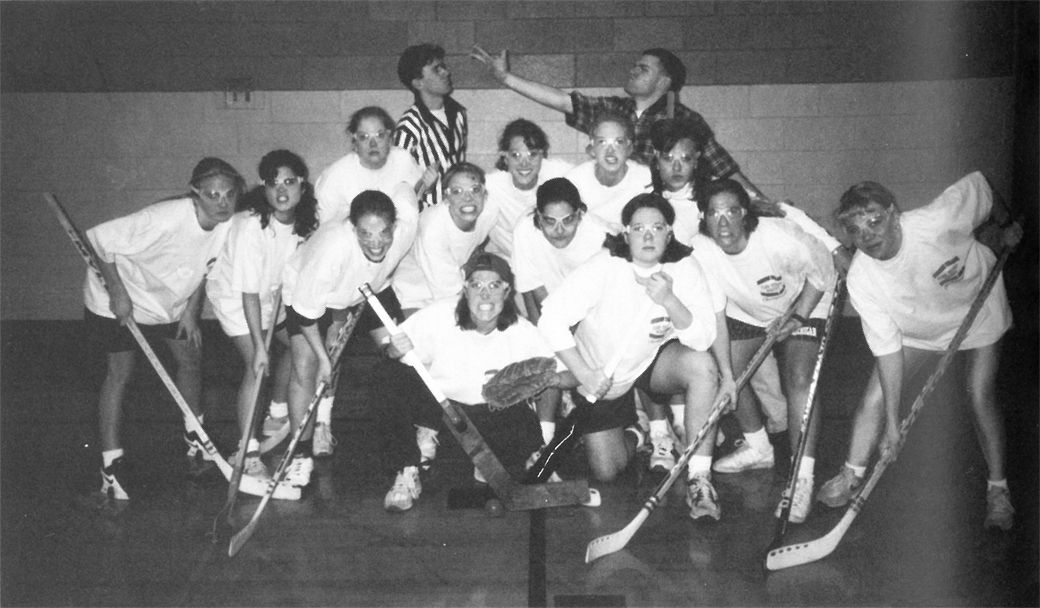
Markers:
point(429, 140)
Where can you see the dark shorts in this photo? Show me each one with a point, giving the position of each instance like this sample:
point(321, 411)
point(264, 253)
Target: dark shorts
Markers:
point(369, 320)
point(107, 334)
point(620, 412)
point(738, 330)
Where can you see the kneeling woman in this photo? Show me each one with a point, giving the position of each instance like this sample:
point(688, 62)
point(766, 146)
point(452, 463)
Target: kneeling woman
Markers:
point(652, 302)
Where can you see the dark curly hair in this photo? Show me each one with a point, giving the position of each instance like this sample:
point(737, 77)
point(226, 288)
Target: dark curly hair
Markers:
point(619, 247)
point(306, 213)
point(706, 191)
point(532, 135)
point(665, 134)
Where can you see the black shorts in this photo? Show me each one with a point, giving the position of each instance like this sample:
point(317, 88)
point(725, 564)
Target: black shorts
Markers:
point(368, 322)
point(104, 333)
point(738, 330)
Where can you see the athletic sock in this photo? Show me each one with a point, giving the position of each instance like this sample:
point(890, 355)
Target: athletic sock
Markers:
point(859, 471)
point(658, 428)
point(698, 466)
point(1000, 483)
point(305, 448)
point(252, 446)
point(325, 410)
point(759, 441)
point(109, 456)
point(278, 409)
point(548, 431)
point(678, 415)
point(807, 467)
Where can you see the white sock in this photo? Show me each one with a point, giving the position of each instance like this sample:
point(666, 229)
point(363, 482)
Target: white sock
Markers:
point(109, 456)
point(678, 415)
point(548, 431)
point(807, 467)
point(759, 441)
point(858, 471)
point(252, 446)
point(658, 428)
point(325, 410)
point(699, 466)
point(278, 409)
point(1000, 483)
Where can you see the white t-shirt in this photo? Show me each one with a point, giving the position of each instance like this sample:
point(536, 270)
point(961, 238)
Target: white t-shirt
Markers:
point(537, 263)
point(432, 269)
point(919, 297)
point(607, 202)
point(687, 215)
point(761, 282)
point(514, 203)
point(611, 310)
point(462, 361)
point(162, 256)
point(327, 269)
point(344, 179)
point(251, 261)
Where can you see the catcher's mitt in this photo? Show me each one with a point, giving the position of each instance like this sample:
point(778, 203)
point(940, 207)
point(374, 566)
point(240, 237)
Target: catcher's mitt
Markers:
point(520, 381)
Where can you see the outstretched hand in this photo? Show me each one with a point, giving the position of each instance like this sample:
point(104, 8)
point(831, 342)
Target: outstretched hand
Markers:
point(498, 65)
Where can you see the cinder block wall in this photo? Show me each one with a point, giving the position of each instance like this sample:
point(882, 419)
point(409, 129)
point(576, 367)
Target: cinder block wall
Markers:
point(109, 105)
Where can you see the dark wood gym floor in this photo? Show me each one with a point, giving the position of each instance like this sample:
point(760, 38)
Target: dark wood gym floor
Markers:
point(918, 541)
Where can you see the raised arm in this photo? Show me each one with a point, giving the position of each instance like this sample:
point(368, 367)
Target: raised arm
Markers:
point(498, 66)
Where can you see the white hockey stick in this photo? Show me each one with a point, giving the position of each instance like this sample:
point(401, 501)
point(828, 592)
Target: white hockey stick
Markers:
point(191, 421)
point(804, 553)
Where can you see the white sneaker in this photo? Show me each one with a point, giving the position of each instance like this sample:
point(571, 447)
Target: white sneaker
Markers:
point(662, 458)
point(323, 440)
point(405, 491)
point(253, 466)
point(744, 458)
point(273, 425)
point(110, 479)
point(702, 499)
point(300, 469)
point(426, 439)
point(801, 506)
point(255, 486)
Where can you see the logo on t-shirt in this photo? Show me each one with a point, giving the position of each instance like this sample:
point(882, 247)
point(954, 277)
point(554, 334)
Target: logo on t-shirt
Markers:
point(771, 287)
point(949, 271)
point(659, 327)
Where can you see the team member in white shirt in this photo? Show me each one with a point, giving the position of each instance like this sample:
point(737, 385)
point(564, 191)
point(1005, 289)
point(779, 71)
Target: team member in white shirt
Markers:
point(154, 262)
point(462, 341)
point(523, 164)
point(611, 178)
point(248, 275)
point(912, 280)
point(764, 265)
point(448, 236)
point(635, 300)
point(374, 164)
point(320, 285)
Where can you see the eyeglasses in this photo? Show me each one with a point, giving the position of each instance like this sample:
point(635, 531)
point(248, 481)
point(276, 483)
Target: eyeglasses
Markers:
point(519, 156)
point(549, 221)
point(378, 136)
point(459, 191)
point(496, 286)
point(730, 213)
point(668, 157)
point(654, 228)
point(617, 142)
point(872, 221)
point(285, 181)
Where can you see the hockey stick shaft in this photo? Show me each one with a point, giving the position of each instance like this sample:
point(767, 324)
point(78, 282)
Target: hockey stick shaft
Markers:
point(242, 536)
point(804, 553)
point(807, 413)
point(90, 256)
point(610, 543)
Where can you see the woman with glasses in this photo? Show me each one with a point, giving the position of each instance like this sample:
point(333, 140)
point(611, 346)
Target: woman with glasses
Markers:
point(448, 234)
point(650, 304)
point(462, 341)
point(248, 275)
point(610, 179)
point(523, 164)
point(763, 266)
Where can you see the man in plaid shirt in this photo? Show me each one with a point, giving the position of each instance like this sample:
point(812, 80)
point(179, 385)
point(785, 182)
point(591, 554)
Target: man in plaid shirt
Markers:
point(653, 84)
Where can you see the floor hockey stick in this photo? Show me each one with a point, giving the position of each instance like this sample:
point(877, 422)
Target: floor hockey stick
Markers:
point(804, 553)
point(803, 432)
point(611, 543)
point(90, 256)
point(513, 495)
point(242, 536)
point(272, 441)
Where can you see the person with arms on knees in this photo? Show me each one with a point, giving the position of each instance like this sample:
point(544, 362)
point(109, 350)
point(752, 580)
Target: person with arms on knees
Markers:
point(320, 288)
point(154, 263)
point(764, 266)
point(913, 279)
point(523, 164)
point(463, 341)
point(610, 178)
point(434, 129)
point(448, 236)
point(652, 90)
point(651, 301)
point(247, 277)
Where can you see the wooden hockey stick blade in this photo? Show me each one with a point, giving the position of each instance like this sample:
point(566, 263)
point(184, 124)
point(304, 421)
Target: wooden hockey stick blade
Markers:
point(811, 551)
point(90, 256)
point(612, 543)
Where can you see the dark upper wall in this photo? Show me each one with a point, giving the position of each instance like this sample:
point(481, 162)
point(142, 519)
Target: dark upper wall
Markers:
point(304, 45)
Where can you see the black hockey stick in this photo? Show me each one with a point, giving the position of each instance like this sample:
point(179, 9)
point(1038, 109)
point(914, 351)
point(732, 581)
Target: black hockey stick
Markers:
point(242, 536)
point(804, 553)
